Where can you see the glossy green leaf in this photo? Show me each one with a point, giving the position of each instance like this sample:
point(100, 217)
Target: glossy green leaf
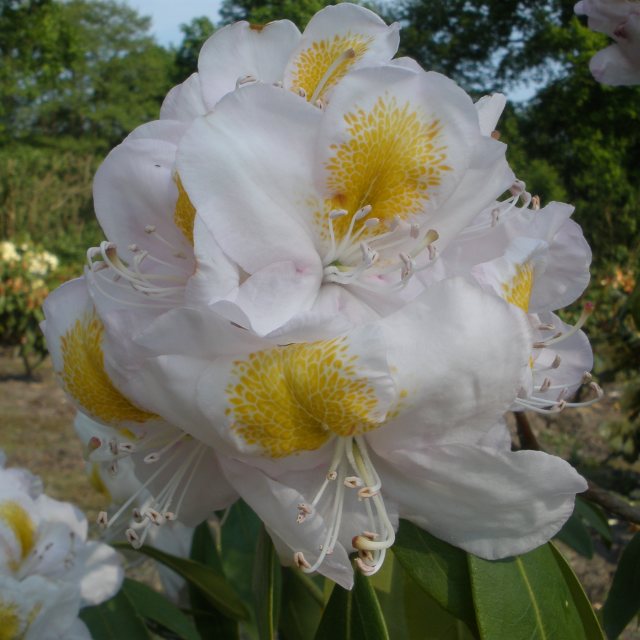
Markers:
point(525, 598)
point(575, 534)
point(151, 605)
point(623, 602)
point(301, 606)
point(427, 620)
point(590, 623)
point(115, 619)
point(210, 582)
point(438, 568)
point(209, 621)
point(267, 587)
point(353, 615)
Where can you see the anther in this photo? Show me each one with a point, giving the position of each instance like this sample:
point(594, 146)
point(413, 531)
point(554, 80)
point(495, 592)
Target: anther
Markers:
point(94, 443)
point(546, 327)
point(535, 203)
point(242, 80)
point(102, 519)
point(362, 212)
point(408, 266)
point(337, 213)
point(556, 362)
point(415, 231)
point(332, 475)
point(133, 247)
point(369, 223)
point(136, 514)
point(113, 468)
point(353, 482)
point(279, 84)
point(151, 457)
point(169, 516)
point(300, 561)
point(302, 93)
point(150, 228)
point(587, 378)
point(154, 516)
point(125, 447)
point(133, 538)
point(432, 252)
point(367, 492)
point(546, 383)
point(369, 256)
point(495, 217)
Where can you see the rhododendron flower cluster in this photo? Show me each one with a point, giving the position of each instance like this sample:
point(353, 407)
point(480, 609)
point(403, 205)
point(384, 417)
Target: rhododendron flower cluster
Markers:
point(322, 289)
point(48, 568)
point(619, 63)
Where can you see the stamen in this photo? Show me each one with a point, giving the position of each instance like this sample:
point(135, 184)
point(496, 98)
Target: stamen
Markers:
point(587, 310)
point(346, 55)
point(242, 80)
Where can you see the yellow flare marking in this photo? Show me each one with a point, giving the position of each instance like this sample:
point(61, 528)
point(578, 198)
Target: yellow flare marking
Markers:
point(294, 398)
point(16, 518)
point(327, 61)
point(10, 624)
point(518, 291)
point(392, 160)
point(85, 379)
point(185, 212)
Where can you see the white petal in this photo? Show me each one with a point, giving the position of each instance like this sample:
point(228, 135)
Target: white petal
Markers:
point(490, 503)
point(98, 572)
point(134, 191)
point(184, 102)
point(247, 169)
point(240, 50)
point(611, 66)
point(458, 357)
point(489, 110)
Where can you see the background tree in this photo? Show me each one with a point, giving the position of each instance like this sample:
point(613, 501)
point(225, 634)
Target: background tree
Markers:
point(194, 35)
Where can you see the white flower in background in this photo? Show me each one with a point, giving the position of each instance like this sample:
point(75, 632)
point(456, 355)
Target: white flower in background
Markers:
point(619, 63)
point(48, 568)
point(8, 252)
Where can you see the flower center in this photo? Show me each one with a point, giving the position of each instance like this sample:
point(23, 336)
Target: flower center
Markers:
point(296, 397)
point(22, 527)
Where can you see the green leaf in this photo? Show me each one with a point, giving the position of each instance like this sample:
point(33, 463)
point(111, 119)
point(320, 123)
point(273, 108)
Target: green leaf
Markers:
point(210, 622)
point(592, 628)
point(440, 569)
point(151, 605)
point(267, 587)
point(623, 601)
point(526, 598)
point(353, 615)
point(388, 583)
point(427, 620)
point(595, 517)
point(301, 606)
point(211, 583)
point(575, 534)
point(239, 537)
point(115, 619)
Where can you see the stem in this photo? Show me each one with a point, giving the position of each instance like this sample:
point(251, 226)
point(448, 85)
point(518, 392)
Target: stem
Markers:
point(594, 493)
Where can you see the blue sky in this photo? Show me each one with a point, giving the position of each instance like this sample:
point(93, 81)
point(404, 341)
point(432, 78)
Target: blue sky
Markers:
point(168, 15)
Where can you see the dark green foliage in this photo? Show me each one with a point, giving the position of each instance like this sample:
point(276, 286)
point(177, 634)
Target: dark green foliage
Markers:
point(263, 11)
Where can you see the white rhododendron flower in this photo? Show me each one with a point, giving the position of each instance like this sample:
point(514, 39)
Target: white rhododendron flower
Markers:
point(619, 63)
point(48, 568)
point(8, 252)
point(313, 298)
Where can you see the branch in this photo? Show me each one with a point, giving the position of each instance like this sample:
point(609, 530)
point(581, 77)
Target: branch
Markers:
point(594, 493)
